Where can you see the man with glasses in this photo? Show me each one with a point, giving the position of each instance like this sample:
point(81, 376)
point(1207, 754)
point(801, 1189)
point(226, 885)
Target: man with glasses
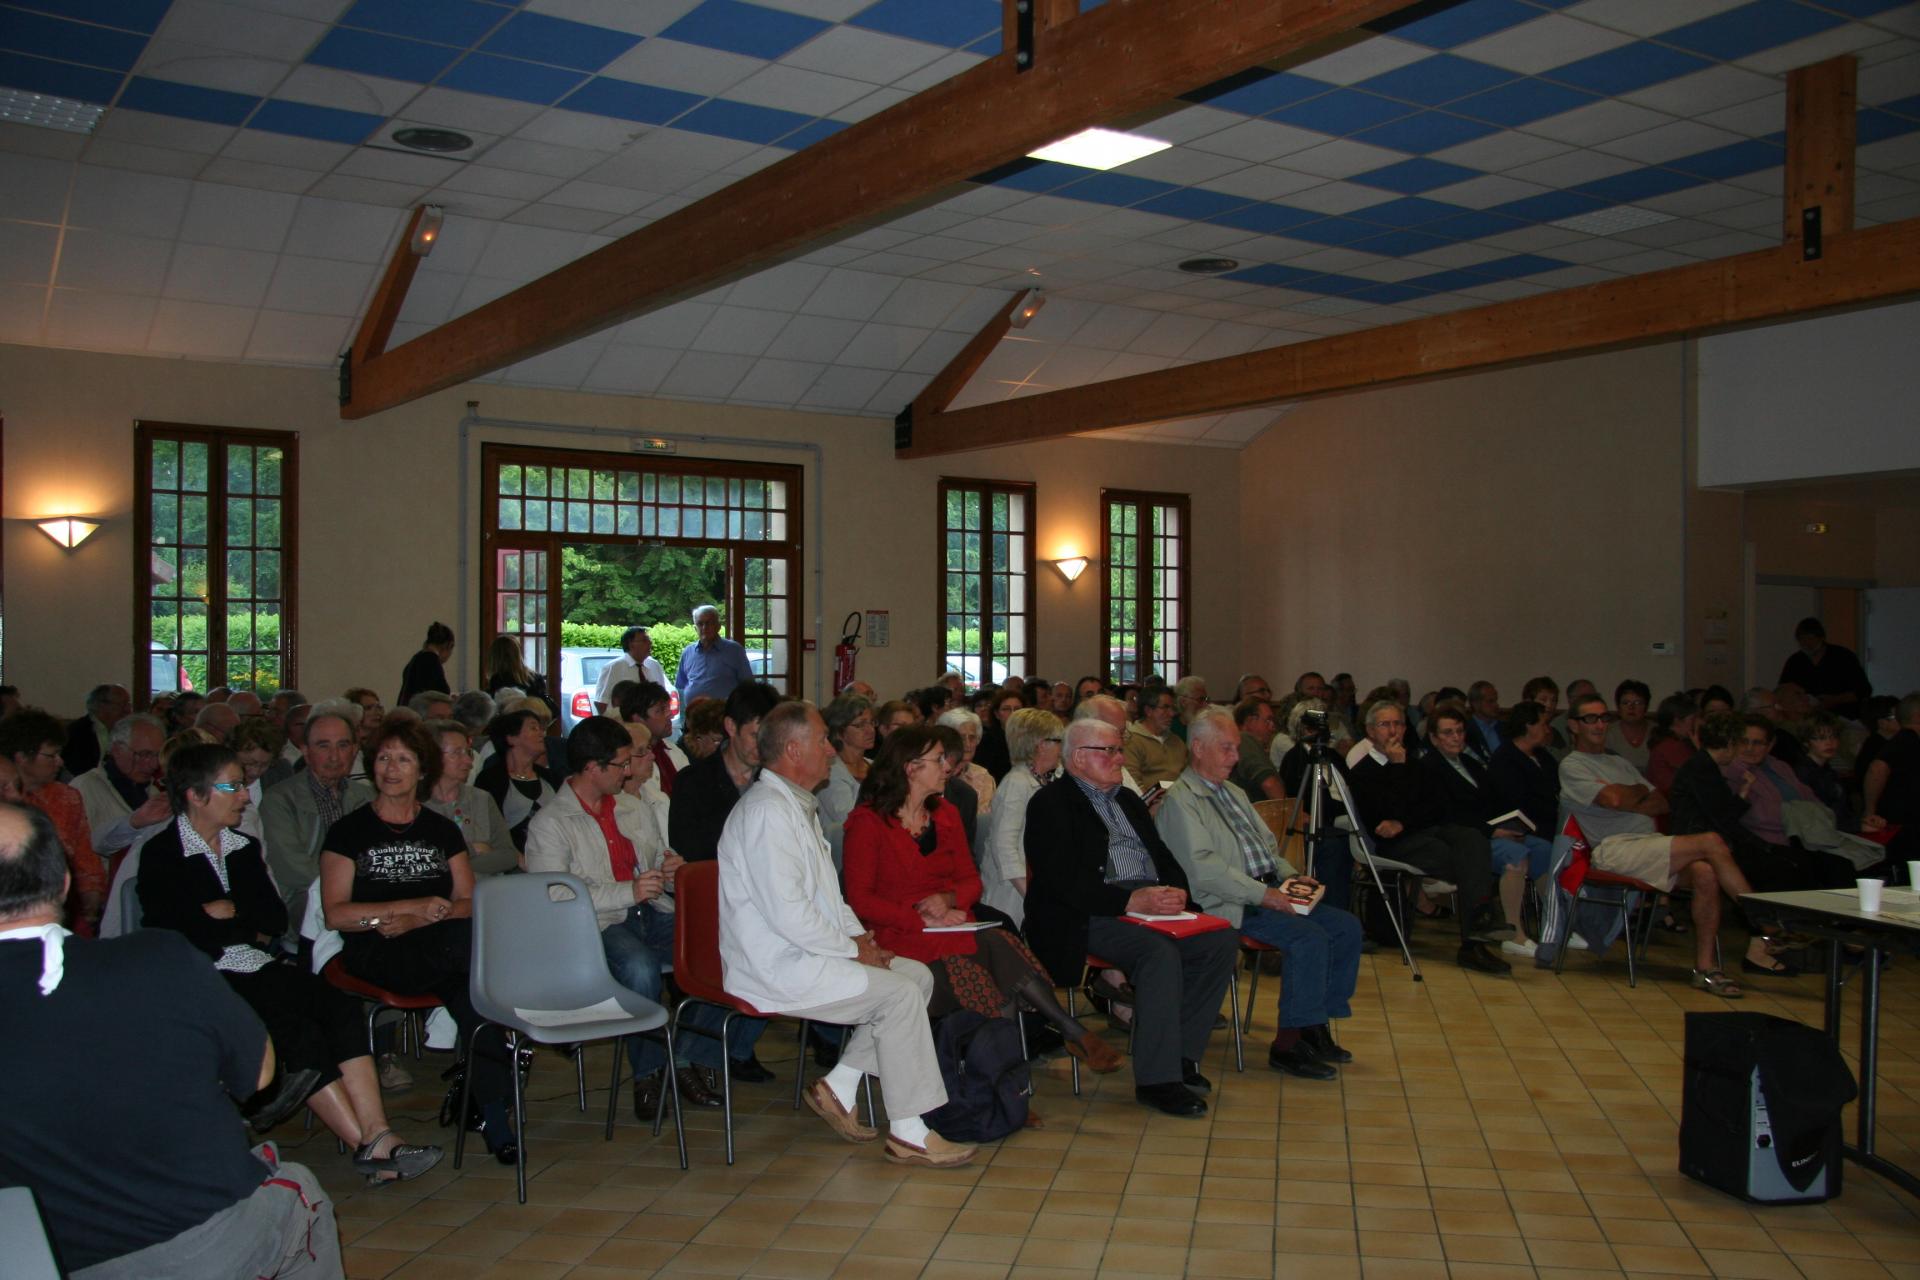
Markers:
point(1616, 807)
point(1407, 818)
point(1191, 697)
point(1093, 856)
point(1153, 753)
point(593, 830)
point(714, 666)
point(119, 795)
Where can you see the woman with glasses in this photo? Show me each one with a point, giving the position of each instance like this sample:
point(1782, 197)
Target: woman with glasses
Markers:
point(850, 728)
point(202, 878)
point(908, 870)
point(32, 740)
point(1033, 741)
point(1631, 733)
point(482, 825)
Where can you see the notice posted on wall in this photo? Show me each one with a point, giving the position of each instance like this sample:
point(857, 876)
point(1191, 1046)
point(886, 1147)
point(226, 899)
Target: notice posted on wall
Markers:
point(879, 628)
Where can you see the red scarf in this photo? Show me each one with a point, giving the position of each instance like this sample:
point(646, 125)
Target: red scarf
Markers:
point(619, 849)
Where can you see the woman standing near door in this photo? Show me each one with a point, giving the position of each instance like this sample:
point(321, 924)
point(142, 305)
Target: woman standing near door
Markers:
point(427, 670)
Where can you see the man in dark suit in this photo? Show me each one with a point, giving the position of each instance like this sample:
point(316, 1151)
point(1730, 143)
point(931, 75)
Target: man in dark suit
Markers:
point(107, 705)
point(1093, 855)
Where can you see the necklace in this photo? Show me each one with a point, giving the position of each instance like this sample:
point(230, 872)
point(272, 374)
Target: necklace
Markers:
point(398, 828)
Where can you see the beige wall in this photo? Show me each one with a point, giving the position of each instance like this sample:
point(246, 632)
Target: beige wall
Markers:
point(380, 537)
point(1496, 526)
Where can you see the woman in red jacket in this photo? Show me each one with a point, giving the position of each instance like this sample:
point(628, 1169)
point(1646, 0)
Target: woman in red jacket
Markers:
point(908, 871)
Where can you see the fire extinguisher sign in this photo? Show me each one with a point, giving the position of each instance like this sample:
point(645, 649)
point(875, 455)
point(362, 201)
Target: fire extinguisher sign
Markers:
point(879, 628)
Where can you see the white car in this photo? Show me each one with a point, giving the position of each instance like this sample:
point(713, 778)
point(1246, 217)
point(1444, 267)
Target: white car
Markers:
point(580, 670)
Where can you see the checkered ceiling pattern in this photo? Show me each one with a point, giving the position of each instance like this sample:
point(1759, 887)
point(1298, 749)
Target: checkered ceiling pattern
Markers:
point(1453, 154)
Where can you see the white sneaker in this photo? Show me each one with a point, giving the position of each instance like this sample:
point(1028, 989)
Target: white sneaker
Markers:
point(1526, 948)
point(1576, 943)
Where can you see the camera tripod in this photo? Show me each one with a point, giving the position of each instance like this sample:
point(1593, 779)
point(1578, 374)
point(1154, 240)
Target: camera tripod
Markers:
point(1321, 777)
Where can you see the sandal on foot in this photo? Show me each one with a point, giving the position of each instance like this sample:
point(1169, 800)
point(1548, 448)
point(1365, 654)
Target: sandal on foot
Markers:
point(399, 1164)
point(1780, 967)
point(1674, 924)
point(1716, 983)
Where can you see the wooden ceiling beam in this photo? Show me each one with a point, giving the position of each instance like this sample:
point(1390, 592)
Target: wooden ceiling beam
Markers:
point(946, 384)
point(1123, 57)
point(1859, 266)
point(377, 326)
point(1821, 104)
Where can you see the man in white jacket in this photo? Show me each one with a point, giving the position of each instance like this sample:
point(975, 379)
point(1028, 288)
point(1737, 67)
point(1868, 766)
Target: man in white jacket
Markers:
point(790, 944)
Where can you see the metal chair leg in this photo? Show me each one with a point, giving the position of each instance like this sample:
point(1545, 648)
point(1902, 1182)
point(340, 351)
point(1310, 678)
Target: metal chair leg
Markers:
point(613, 1087)
point(726, 1087)
point(670, 1085)
point(1253, 985)
point(579, 1056)
point(1073, 1062)
point(466, 1099)
point(800, 1063)
point(519, 1115)
point(1233, 1008)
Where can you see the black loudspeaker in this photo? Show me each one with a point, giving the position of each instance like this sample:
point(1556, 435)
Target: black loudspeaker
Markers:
point(1760, 1116)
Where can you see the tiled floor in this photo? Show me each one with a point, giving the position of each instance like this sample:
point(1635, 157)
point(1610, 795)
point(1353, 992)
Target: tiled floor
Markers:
point(1488, 1128)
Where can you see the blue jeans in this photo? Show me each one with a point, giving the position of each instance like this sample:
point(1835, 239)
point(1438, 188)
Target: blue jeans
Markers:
point(638, 948)
point(1321, 960)
point(1536, 852)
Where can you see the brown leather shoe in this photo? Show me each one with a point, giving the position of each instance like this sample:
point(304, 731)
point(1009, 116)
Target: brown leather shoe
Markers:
point(938, 1153)
point(696, 1087)
point(826, 1104)
point(1101, 1058)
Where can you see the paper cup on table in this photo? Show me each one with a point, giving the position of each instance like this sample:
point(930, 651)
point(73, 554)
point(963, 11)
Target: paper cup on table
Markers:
point(1913, 875)
point(1870, 894)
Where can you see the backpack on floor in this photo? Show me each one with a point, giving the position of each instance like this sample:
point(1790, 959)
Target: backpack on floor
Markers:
point(986, 1077)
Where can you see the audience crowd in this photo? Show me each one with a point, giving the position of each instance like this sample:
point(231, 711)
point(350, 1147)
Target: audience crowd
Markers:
point(208, 881)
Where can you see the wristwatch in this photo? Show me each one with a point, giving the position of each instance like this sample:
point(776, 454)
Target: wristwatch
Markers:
point(369, 922)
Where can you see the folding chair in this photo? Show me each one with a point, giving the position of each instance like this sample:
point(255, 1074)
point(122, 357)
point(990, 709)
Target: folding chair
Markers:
point(381, 1002)
point(1094, 962)
point(1588, 883)
point(539, 974)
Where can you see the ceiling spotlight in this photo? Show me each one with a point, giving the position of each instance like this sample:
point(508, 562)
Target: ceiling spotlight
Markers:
point(436, 141)
point(1208, 266)
point(427, 233)
point(1027, 308)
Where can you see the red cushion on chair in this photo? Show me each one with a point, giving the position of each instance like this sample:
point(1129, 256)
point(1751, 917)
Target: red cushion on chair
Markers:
point(1609, 880)
point(1254, 944)
point(336, 973)
point(697, 970)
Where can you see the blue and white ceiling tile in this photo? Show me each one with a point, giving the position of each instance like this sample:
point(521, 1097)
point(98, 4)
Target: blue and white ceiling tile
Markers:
point(242, 186)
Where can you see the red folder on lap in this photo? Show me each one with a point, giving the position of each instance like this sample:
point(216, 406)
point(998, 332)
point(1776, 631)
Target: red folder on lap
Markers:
point(1184, 925)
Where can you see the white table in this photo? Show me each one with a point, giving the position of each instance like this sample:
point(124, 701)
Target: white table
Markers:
point(1835, 915)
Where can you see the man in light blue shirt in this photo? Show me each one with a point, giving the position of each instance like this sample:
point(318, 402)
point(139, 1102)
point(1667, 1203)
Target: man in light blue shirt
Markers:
point(714, 667)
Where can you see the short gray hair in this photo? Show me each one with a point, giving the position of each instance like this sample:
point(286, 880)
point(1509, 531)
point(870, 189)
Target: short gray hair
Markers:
point(419, 702)
point(1300, 709)
point(1189, 687)
point(345, 709)
point(473, 709)
point(1027, 728)
point(289, 698)
point(961, 719)
point(122, 732)
point(1090, 708)
point(1384, 704)
point(1214, 724)
point(1081, 731)
point(700, 610)
point(843, 711)
point(781, 725)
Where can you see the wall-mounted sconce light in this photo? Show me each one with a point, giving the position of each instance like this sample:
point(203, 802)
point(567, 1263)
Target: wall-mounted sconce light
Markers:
point(1027, 308)
point(69, 531)
point(427, 234)
point(1071, 567)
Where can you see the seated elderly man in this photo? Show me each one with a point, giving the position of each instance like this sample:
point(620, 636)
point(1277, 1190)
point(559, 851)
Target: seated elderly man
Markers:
point(1093, 856)
point(1234, 869)
point(1616, 807)
point(119, 794)
point(1256, 773)
point(295, 814)
point(1154, 753)
point(151, 1177)
point(87, 737)
point(1409, 824)
point(790, 944)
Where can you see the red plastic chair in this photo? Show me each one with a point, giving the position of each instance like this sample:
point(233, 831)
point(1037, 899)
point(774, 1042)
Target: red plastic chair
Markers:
point(383, 1001)
point(698, 972)
point(1580, 875)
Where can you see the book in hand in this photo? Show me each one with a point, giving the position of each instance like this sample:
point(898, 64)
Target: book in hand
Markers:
point(1302, 898)
point(1512, 818)
point(971, 926)
point(1180, 924)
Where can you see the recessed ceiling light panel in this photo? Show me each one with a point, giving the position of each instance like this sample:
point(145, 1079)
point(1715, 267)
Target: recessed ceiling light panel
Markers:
point(437, 141)
point(1099, 149)
point(17, 106)
point(1609, 222)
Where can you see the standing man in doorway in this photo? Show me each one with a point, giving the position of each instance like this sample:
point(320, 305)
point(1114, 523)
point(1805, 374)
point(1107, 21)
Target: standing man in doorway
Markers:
point(714, 667)
point(637, 663)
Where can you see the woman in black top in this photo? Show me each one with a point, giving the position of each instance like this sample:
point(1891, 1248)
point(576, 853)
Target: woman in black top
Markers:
point(427, 670)
point(507, 669)
point(515, 775)
point(396, 882)
point(202, 878)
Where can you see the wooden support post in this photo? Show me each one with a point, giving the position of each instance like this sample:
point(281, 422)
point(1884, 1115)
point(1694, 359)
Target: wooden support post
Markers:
point(1821, 102)
point(947, 383)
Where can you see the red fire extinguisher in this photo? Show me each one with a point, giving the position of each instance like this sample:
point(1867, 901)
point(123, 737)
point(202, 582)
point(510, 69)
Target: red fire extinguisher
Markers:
point(844, 652)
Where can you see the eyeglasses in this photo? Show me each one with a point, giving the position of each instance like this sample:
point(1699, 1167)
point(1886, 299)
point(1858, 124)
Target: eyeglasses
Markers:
point(1592, 717)
point(228, 788)
point(1055, 741)
point(47, 755)
point(1110, 752)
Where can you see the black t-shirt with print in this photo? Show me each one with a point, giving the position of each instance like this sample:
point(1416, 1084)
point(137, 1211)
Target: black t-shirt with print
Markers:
point(392, 863)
